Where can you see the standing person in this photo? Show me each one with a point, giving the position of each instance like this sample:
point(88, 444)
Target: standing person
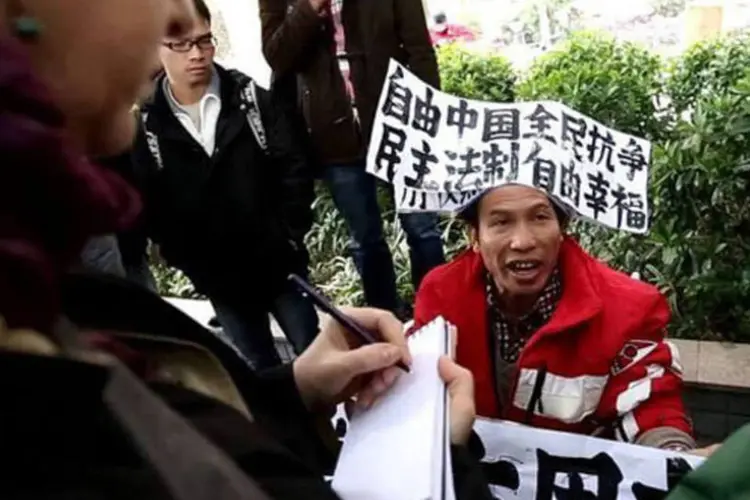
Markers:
point(340, 52)
point(227, 193)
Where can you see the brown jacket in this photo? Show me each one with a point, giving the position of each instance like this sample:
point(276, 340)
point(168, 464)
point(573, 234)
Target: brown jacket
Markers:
point(297, 39)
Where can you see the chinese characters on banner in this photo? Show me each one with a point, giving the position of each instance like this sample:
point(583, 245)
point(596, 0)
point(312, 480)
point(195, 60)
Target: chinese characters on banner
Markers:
point(440, 151)
point(524, 463)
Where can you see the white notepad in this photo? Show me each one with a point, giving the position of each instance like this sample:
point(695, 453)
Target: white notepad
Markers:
point(400, 448)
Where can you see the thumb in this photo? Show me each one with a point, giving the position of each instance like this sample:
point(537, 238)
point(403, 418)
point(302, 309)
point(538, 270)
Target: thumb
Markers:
point(460, 386)
point(370, 358)
point(458, 379)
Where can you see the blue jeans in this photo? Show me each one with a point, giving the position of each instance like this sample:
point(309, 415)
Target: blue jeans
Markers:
point(425, 244)
point(354, 192)
point(249, 329)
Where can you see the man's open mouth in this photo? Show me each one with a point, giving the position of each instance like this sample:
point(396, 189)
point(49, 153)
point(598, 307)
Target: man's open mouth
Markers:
point(524, 269)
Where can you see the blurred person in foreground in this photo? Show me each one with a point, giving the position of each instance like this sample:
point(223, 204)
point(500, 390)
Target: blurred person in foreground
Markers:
point(554, 338)
point(227, 193)
point(76, 423)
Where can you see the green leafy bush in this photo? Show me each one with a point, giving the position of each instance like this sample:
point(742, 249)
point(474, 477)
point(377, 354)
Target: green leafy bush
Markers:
point(483, 77)
point(697, 251)
point(171, 282)
point(707, 68)
point(614, 82)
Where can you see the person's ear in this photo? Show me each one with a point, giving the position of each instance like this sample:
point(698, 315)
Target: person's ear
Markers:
point(474, 238)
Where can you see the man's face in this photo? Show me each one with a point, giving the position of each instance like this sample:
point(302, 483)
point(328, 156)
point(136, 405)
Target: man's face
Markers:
point(518, 236)
point(188, 59)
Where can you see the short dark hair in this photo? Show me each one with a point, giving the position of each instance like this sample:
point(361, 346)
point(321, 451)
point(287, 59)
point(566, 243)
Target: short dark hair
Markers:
point(202, 9)
point(470, 214)
point(440, 18)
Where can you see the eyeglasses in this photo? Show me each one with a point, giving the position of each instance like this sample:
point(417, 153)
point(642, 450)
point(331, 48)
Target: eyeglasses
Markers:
point(203, 42)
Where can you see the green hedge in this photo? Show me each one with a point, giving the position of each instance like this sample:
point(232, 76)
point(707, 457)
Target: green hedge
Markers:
point(484, 77)
point(613, 82)
point(696, 110)
point(706, 69)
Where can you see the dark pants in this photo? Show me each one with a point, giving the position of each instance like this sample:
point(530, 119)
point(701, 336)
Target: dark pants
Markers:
point(355, 195)
point(249, 329)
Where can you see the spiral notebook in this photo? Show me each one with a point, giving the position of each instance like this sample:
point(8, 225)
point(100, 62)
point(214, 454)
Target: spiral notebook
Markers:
point(400, 448)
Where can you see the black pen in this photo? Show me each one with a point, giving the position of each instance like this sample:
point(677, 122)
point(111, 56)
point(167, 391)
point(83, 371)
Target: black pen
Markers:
point(351, 325)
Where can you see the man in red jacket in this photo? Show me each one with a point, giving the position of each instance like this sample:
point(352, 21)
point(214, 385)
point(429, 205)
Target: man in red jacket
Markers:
point(556, 339)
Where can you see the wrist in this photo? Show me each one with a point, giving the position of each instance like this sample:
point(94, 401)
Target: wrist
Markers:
point(304, 387)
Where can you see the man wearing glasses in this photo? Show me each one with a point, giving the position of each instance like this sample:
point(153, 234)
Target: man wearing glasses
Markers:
point(227, 193)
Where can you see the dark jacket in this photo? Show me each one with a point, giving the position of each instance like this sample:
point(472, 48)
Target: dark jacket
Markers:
point(72, 429)
point(298, 40)
point(236, 218)
point(77, 430)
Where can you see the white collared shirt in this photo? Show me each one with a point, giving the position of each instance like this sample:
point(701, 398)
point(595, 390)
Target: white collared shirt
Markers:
point(199, 119)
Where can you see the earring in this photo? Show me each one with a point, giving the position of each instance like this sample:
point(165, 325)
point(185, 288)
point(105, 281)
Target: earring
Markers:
point(27, 28)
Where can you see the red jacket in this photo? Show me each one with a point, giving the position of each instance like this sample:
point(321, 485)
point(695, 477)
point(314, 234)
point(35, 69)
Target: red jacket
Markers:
point(602, 359)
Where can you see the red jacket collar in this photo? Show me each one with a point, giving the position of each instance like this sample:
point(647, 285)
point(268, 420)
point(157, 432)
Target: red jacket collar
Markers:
point(580, 299)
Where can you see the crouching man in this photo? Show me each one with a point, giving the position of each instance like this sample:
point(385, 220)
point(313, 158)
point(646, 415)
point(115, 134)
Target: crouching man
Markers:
point(555, 338)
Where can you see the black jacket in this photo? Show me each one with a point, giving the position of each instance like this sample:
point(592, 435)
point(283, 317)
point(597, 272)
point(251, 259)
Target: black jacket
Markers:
point(74, 430)
point(237, 217)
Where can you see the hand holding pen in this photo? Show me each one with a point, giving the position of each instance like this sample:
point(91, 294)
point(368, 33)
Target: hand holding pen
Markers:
point(333, 370)
point(350, 324)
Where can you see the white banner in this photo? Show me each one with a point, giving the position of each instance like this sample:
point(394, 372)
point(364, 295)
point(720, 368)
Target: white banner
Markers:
point(524, 463)
point(439, 151)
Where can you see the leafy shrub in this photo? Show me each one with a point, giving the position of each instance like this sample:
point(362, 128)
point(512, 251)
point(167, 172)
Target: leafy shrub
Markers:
point(697, 251)
point(611, 81)
point(331, 267)
point(171, 282)
point(485, 77)
point(707, 68)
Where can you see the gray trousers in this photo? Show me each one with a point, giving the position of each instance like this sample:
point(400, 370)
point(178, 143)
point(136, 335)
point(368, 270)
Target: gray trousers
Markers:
point(102, 254)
